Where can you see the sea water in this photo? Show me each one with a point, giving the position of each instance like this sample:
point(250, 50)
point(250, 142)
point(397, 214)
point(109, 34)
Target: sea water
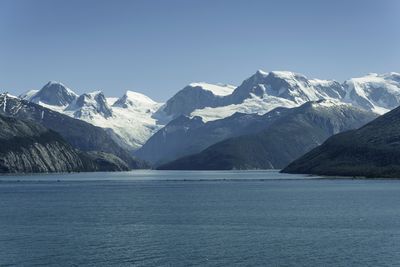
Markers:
point(169, 218)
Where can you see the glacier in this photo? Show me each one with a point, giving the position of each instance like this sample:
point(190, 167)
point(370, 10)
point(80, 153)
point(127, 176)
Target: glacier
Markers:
point(133, 118)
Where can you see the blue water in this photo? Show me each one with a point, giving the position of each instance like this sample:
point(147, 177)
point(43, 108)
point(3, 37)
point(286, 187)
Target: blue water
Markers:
point(150, 218)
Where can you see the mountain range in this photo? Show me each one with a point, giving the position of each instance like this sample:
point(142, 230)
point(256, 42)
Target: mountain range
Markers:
point(79, 134)
point(133, 118)
point(286, 134)
point(250, 121)
point(370, 151)
point(29, 147)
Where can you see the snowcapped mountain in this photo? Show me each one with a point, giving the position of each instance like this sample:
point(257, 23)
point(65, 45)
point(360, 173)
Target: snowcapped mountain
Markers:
point(89, 105)
point(216, 89)
point(28, 94)
point(81, 135)
point(52, 94)
point(134, 100)
point(379, 93)
point(133, 118)
point(250, 141)
point(284, 84)
point(251, 105)
point(128, 119)
point(264, 91)
point(197, 96)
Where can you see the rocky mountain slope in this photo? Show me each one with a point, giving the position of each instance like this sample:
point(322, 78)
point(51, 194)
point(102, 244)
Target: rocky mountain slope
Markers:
point(371, 151)
point(133, 118)
point(128, 119)
point(184, 136)
point(293, 133)
point(27, 147)
point(79, 134)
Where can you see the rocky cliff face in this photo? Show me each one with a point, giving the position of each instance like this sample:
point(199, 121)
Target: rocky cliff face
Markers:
point(36, 157)
point(100, 161)
point(28, 147)
point(81, 135)
point(371, 151)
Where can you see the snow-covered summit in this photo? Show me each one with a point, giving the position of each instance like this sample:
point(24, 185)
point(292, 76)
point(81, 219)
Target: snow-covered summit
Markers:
point(377, 92)
point(261, 72)
point(196, 96)
point(265, 90)
point(128, 119)
point(132, 118)
point(275, 86)
point(288, 85)
point(89, 105)
point(53, 93)
point(134, 99)
point(216, 89)
point(287, 75)
point(28, 94)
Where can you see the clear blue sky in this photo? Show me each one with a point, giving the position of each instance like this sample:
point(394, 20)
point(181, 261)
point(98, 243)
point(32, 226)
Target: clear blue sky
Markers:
point(157, 47)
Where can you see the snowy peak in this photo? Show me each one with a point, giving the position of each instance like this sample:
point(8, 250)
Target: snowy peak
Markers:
point(328, 88)
point(134, 100)
point(284, 84)
point(53, 93)
point(216, 89)
point(28, 94)
point(290, 85)
point(129, 120)
point(287, 75)
point(89, 104)
point(257, 94)
point(134, 117)
point(197, 96)
point(252, 85)
point(261, 73)
point(377, 92)
point(264, 91)
point(274, 86)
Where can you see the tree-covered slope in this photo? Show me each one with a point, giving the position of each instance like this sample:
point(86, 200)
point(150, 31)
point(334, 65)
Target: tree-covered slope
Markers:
point(371, 151)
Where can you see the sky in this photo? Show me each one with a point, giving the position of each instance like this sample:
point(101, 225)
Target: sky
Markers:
point(157, 47)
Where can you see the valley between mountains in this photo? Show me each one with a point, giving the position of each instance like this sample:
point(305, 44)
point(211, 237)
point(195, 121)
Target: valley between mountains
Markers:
point(268, 121)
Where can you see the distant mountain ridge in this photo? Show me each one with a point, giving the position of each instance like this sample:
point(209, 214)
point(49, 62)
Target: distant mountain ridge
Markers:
point(29, 147)
point(81, 135)
point(133, 118)
point(53, 93)
point(371, 151)
point(264, 91)
point(128, 120)
point(184, 136)
point(287, 134)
